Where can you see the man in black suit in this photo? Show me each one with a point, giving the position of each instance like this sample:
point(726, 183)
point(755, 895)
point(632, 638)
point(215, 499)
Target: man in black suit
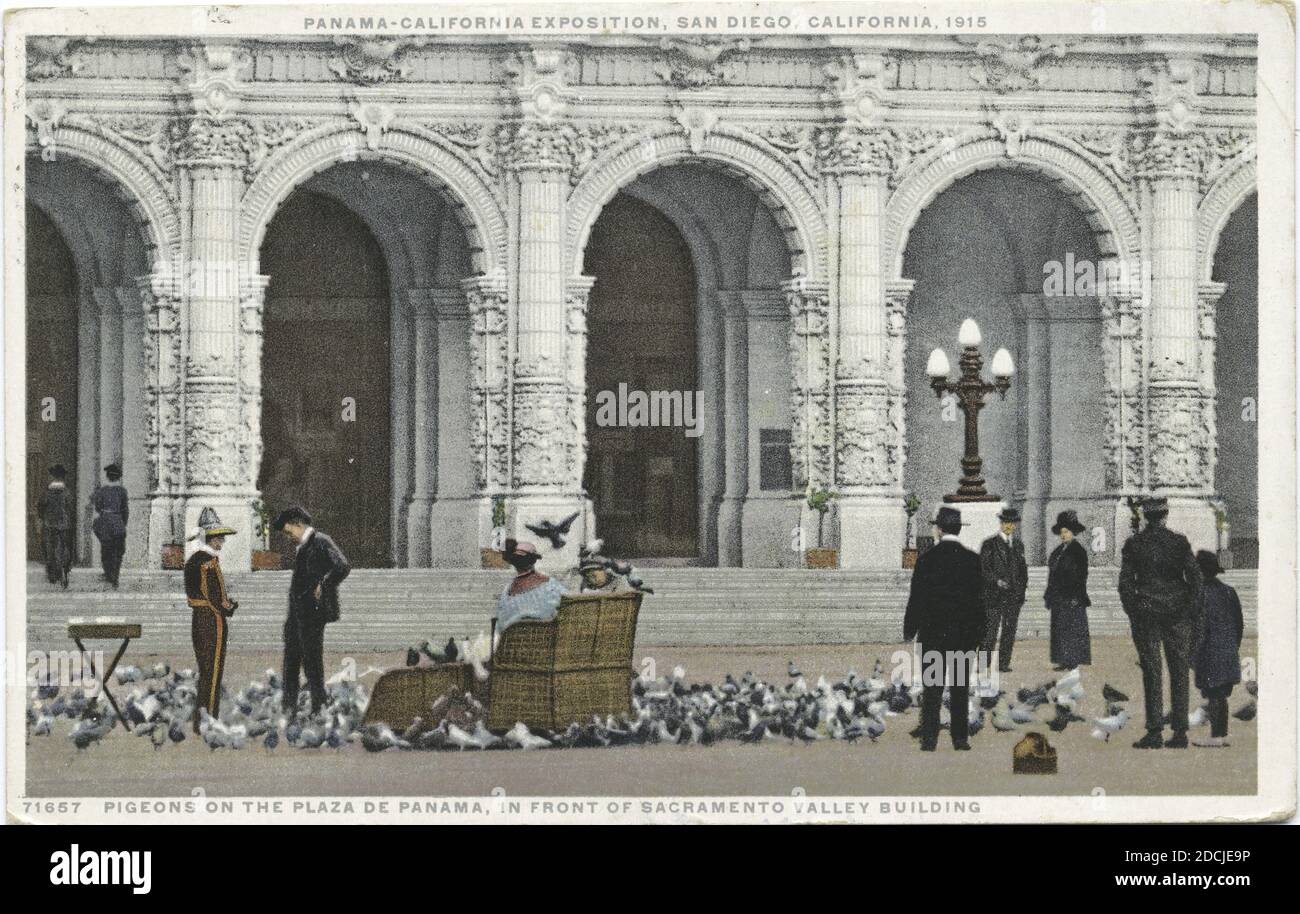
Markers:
point(1159, 589)
point(318, 570)
point(1006, 575)
point(945, 612)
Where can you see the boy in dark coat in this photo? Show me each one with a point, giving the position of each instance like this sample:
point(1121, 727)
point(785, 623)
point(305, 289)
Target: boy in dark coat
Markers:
point(1217, 663)
point(945, 613)
point(113, 509)
point(318, 570)
point(1006, 575)
point(56, 523)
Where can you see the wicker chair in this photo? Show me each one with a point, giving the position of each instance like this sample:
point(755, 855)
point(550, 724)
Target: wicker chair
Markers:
point(566, 669)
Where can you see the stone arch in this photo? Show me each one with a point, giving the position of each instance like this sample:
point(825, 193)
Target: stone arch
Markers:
point(403, 145)
point(1090, 189)
point(134, 182)
point(792, 203)
point(1223, 199)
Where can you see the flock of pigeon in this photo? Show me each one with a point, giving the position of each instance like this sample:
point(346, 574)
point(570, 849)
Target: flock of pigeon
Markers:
point(160, 706)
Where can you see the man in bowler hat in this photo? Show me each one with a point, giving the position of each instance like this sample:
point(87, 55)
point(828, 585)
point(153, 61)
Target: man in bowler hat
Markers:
point(56, 526)
point(113, 511)
point(1005, 575)
point(1159, 588)
point(945, 614)
point(318, 570)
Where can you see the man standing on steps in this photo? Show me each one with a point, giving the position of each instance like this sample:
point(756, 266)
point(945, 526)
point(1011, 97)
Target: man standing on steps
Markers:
point(318, 570)
point(113, 511)
point(1006, 575)
point(945, 613)
point(1159, 588)
point(56, 526)
point(210, 611)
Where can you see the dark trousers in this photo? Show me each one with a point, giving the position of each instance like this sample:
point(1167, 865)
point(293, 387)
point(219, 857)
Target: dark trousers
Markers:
point(1218, 699)
point(1150, 633)
point(956, 676)
point(304, 648)
point(58, 554)
point(111, 551)
point(1004, 615)
point(209, 631)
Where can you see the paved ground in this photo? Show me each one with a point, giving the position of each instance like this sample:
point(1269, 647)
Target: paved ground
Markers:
point(125, 766)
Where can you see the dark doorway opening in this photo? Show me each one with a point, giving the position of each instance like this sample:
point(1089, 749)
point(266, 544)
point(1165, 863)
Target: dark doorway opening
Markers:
point(52, 368)
point(641, 334)
point(326, 412)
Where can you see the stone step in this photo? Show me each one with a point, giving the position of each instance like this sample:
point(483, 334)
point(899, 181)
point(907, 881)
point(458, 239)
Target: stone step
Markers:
point(385, 609)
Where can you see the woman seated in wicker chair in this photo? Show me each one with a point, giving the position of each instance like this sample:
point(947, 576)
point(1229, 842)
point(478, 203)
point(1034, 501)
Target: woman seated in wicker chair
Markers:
point(531, 595)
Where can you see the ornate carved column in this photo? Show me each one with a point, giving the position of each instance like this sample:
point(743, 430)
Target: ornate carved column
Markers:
point(810, 394)
point(108, 306)
point(161, 297)
point(546, 476)
point(460, 516)
point(222, 441)
point(868, 427)
point(734, 404)
point(489, 352)
point(1180, 418)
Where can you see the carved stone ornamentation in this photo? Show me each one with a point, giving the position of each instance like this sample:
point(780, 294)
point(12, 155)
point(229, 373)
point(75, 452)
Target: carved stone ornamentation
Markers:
point(1182, 439)
point(569, 147)
point(160, 297)
point(696, 123)
point(696, 63)
point(857, 83)
point(53, 56)
point(855, 150)
point(1014, 64)
point(539, 78)
point(213, 432)
point(478, 140)
point(541, 434)
point(373, 61)
point(865, 441)
point(1124, 446)
point(1169, 92)
point(45, 115)
point(203, 141)
point(488, 300)
point(373, 118)
point(577, 292)
point(1165, 155)
point(812, 425)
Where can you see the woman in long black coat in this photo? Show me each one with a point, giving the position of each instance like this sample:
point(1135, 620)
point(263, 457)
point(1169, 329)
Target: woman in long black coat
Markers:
point(1067, 596)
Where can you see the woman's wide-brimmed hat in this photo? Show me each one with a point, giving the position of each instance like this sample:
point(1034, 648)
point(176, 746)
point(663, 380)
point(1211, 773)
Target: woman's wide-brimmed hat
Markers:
point(1209, 563)
point(210, 525)
point(1068, 520)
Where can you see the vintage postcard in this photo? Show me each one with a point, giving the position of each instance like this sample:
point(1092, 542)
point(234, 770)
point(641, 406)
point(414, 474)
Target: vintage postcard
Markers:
point(636, 412)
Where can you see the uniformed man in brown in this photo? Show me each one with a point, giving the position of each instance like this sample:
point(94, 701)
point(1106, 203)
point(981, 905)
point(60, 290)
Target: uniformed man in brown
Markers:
point(211, 609)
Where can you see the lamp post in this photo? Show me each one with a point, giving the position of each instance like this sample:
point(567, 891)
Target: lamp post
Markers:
point(970, 390)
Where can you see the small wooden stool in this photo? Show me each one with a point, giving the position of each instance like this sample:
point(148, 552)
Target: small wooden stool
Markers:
point(109, 630)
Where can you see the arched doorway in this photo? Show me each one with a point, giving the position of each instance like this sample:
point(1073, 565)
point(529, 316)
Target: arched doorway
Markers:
point(1009, 249)
point(52, 366)
point(641, 342)
point(325, 375)
point(1236, 374)
point(366, 261)
point(85, 249)
point(688, 263)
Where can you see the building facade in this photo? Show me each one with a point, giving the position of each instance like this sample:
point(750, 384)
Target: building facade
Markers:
point(387, 277)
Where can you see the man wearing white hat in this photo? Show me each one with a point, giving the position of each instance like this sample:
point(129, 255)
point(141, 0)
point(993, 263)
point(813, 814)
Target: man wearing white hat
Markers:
point(211, 608)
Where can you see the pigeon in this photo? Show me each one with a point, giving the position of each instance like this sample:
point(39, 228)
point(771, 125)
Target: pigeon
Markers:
point(272, 740)
point(1112, 694)
point(637, 584)
point(1245, 712)
point(552, 531)
point(523, 738)
point(1108, 725)
point(378, 737)
point(1199, 718)
point(793, 671)
point(1252, 687)
point(412, 657)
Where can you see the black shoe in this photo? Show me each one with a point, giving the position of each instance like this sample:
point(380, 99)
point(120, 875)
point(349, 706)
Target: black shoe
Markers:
point(962, 746)
point(915, 732)
point(1153, 740)
point(929, 747)
point(1004, 669)
point(1177, 741)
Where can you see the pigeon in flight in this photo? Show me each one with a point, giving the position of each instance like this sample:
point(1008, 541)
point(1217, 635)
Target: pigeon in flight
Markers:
point(552, 531)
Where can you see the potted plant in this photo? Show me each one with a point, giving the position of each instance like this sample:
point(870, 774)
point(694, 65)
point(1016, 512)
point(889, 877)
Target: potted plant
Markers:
point(490, 557)
point(1224, 535)
point(173, 552)
point(819, 500)
point(911, 504)
point(266, 558)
